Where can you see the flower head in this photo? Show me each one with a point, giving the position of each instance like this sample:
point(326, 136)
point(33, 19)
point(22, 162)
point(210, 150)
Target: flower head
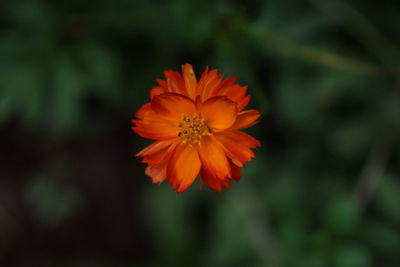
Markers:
point(196, 127)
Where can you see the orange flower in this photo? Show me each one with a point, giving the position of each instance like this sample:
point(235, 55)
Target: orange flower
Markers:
point(196, 127)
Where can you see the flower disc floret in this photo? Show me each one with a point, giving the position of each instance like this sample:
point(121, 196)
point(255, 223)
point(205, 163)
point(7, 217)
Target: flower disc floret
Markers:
point(193, 128)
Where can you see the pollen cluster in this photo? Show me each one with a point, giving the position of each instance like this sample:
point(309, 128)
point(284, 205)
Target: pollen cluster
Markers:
point(193, 128)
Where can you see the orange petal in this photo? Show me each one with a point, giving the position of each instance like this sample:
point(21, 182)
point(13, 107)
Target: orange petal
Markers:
point(156, 152)
point(207, 82)
point(237, 145)
point(224, 86)
point(175, 82)
point(219, 112)
point(144, 111)
point(172, 106)
point(163, 84)
point(236, 171)
point(157, 172)
point(243, 103)
point(211, 86)
point(201, 82)
point(245, 119)
point(183, 167)
point(190, 80)
point(233, 91)
point(154, 148)
point(237, 94)
point(155, 128)
point(156, 91)
point(213, 157)
point(213, 182)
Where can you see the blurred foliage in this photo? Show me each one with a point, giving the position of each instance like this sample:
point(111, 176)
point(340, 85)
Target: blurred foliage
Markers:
point(325, 75)
point(41, 194)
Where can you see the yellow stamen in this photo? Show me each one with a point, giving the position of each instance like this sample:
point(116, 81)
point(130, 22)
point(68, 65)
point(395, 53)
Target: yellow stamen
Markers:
point(193, 128)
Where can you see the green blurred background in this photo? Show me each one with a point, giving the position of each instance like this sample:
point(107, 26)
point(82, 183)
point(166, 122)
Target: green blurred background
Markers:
point(323, 190)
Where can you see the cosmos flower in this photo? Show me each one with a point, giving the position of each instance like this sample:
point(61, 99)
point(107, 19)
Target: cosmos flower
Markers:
point(196, 127)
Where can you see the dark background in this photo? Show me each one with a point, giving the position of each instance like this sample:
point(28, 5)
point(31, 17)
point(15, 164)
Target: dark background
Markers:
point(323, 190)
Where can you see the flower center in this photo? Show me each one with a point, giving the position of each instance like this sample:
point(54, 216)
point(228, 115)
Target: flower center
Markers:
point(193, 128)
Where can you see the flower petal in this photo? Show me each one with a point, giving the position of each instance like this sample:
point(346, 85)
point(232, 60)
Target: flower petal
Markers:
point(213, 182)
point(213, 157)
point(243, 103)
point(172, 106)
point(156, 91)
point(190, 80)
point(200, 85)
point(144, 111)
point(156, 152)
point(183, 167)
point(225, 86)
point(155, 128)
point(211, 85)
point(219, 112)
point(175, 82)
point(208, 83)
point(245, 119)
point(154, 148)
point(237, 145)
point(163, 84)
point(237, 94)
point(157, 172)
point(236, 171)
